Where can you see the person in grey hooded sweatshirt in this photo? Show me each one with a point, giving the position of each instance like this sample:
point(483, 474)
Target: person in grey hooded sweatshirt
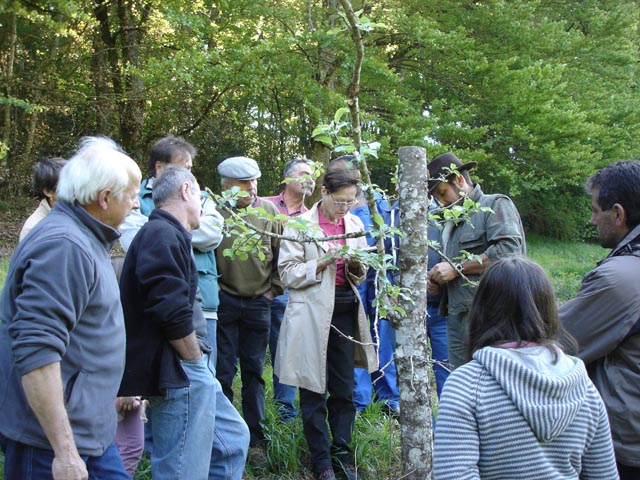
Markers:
point(521, 408)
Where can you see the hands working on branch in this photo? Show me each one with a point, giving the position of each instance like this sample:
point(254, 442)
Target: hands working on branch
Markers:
point(336, 252)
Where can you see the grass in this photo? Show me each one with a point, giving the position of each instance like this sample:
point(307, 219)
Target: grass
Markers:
point(376, 443)
point(376, 439)
point(566, 262)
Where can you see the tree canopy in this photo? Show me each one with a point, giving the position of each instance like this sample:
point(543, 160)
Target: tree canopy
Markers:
point(540, 93)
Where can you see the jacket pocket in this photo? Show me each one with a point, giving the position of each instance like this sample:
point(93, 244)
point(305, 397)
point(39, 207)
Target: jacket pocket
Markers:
point(473, 240)
point(73, 391)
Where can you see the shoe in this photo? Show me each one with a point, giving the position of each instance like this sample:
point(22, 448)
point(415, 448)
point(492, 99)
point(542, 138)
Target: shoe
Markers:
point(390, 411)
point(347, 471)
point(257, 457)
point(325, 475)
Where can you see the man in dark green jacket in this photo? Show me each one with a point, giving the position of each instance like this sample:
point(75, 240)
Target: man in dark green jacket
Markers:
point(487, 236)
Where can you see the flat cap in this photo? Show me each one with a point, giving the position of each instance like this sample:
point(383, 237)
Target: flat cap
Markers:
point(239, 168)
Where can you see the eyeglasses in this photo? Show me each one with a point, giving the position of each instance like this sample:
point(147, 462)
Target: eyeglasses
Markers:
point(343, 204)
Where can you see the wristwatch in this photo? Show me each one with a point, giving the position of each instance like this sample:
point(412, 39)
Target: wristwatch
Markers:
point(458, 266)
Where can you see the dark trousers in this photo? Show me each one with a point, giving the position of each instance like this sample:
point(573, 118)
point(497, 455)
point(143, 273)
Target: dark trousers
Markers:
point(314, 406)
point(23, 462)
point(628, 472)
point(243, 333)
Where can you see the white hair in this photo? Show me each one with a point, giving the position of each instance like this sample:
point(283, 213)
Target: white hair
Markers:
point(98, 164)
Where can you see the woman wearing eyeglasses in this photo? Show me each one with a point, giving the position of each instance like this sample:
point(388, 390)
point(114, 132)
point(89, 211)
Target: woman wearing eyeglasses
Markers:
point(324, 332)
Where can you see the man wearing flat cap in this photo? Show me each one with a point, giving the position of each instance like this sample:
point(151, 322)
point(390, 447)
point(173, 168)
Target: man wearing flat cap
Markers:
point(247, 288)
point(487, 235)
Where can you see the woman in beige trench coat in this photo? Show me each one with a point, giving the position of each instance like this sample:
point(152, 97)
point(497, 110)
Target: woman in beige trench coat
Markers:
point(314, 351)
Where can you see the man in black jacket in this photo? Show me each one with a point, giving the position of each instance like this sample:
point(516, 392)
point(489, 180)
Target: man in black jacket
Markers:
point(166, 362)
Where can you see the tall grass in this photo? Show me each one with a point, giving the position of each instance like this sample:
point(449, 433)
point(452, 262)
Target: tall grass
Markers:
point(566, 262)
point(376, 440)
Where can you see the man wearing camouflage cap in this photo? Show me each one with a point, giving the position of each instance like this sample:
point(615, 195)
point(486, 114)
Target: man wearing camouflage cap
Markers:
point(247, 288)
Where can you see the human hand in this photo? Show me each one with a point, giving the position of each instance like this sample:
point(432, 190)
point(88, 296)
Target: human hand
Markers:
point(69, 466)
point(442, 273)
point(268, 295)
point(126, 404)
point(433, 288)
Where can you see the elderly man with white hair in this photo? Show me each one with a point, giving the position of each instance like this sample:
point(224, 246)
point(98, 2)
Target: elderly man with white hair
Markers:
point(62, 339)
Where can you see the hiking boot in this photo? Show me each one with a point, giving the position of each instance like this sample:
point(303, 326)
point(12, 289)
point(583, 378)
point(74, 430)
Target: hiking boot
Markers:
point(257, 457)
point(325, 475)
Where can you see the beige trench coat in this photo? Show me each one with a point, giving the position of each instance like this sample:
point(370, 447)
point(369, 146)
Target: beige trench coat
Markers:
point(301, 358)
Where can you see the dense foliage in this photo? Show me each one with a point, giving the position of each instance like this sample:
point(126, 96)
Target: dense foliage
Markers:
point(540, 92)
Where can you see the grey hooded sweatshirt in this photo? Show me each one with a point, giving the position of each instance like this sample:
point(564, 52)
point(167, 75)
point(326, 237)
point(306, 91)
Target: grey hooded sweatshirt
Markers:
point(516, 414)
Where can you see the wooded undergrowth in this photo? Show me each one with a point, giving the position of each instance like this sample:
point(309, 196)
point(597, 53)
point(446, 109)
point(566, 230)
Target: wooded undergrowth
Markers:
point(540, 93)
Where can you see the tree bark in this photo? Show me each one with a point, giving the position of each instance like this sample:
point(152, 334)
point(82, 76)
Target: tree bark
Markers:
point(7, 70)
point(412, 354)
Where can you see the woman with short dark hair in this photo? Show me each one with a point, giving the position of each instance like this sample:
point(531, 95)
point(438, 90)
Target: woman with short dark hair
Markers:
point(324, 315)
point(45, 180)
point(521, 408)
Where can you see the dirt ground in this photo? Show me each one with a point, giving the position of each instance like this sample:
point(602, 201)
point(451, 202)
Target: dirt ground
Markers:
point(13, 213)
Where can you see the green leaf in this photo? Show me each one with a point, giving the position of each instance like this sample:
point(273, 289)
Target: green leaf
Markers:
point(341, 112)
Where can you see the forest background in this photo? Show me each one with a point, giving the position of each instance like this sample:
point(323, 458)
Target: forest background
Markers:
point(541, 93)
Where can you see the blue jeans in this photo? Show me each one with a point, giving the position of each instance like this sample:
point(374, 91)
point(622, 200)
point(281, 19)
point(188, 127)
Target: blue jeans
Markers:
point(384, 382)
point(23, 462)
point(230, 441)
point(212, 327)
point(243, 332)
point(437, 332)
point(284, 395)
point(211, 338)
point(187, 442)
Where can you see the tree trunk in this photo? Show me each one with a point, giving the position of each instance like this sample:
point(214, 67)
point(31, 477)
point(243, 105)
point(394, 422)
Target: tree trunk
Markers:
point(7, 71)
point(412, 354)
point(132, 108)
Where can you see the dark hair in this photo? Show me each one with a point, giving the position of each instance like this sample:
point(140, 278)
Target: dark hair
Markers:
point(619, 183)
point(514, 302)
point(345, 161)
point(291, 165)
point(464, 173)
point(338, 178)
point(45, 175)
point(168, 149)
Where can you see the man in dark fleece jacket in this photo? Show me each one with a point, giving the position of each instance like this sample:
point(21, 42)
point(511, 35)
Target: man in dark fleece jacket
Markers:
point(165, 361)
point(62, 337)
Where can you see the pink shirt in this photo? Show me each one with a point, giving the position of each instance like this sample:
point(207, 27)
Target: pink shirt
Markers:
point(329, 229)
point(278, 201)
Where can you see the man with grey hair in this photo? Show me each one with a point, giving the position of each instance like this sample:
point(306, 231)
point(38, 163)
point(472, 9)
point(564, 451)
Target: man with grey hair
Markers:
point(604, 317)
point(247, 288)
point(299, 184)
point(62, 339)
point(166, 362)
